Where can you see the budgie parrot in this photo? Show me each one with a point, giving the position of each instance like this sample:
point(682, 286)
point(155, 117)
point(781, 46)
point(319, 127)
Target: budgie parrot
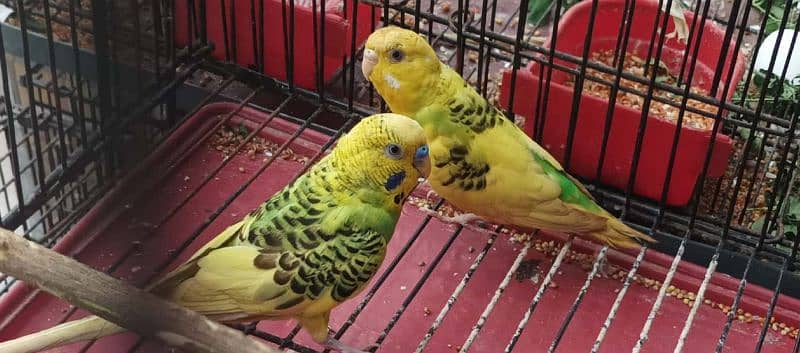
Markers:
point(482, 162)
point(307, 249)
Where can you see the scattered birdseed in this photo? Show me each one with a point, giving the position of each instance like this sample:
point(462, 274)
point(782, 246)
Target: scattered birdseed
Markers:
point(226, 139)
point(635, 65)
point(551, 248)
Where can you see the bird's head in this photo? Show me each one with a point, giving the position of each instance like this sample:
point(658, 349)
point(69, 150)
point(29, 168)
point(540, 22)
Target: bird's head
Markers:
point(403, 68)
point(385, 154)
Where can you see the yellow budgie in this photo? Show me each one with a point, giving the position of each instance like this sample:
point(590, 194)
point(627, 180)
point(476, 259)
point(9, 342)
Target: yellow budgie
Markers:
point(482, 163)
point(300, 254)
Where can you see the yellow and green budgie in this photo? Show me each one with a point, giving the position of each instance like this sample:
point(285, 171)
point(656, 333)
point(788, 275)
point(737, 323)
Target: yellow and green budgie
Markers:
point(310, 247)
point(482, 162)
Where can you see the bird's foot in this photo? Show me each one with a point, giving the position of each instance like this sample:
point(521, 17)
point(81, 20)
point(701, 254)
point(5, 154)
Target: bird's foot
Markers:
point(340, 347)
point(430, 212)
point(429, 194)
point(462, 219)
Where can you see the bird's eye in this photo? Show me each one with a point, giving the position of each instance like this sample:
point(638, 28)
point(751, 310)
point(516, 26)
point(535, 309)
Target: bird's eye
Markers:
point(396, 55)
point(394, 151)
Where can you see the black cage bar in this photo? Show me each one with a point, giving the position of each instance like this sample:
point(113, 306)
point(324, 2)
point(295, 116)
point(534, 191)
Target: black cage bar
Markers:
point(92, 86)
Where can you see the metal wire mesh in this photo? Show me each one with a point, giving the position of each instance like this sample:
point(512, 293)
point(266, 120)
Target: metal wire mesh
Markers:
point(118, 63)
point(72, 90)
point(81, 81)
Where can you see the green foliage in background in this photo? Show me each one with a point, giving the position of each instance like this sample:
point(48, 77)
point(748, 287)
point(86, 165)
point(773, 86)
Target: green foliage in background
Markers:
point(780, 97)
point(775, 14)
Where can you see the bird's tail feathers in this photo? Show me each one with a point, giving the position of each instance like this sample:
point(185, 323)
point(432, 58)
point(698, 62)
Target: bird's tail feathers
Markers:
point(85, 329)
point(619, 235)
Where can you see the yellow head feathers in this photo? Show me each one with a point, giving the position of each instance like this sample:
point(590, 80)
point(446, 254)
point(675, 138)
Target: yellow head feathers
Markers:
point(387, 153)
point(402, 66)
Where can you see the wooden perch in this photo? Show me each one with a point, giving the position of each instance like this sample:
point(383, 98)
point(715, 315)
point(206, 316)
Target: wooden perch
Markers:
point(119, 302)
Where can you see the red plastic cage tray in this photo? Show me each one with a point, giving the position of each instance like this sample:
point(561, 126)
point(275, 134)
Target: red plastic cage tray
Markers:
point(658, 136)
point(432, 260)
point(337, 44)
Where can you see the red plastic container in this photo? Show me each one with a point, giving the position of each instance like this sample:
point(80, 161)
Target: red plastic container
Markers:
point(658, 136)
point(338, 34)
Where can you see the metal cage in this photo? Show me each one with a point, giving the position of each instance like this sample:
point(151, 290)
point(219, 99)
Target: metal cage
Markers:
point(690, 138)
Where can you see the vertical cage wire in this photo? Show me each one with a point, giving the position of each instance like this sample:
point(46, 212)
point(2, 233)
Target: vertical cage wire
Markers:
point(84, 97)
point(93, 85)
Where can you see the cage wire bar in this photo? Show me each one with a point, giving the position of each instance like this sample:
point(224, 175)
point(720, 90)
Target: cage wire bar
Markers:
point(661, 211)
point(85, 98)
point(91, 86)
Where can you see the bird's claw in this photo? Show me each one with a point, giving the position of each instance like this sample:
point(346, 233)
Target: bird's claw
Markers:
point(428, 195)
point(462, 219)
point(430, 212)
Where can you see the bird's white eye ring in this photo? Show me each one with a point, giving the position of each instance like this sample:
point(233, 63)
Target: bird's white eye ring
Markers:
point(393, 151)
point(396, 55)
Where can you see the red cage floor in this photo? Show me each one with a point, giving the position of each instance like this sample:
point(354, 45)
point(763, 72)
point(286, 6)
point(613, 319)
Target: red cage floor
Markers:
point(120, 227)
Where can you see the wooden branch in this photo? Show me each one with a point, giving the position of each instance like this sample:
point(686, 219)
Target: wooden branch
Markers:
point(119, 302)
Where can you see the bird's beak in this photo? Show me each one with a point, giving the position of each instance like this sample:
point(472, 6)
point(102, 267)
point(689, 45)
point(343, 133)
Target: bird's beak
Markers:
point(369, 62)
point(422, 162)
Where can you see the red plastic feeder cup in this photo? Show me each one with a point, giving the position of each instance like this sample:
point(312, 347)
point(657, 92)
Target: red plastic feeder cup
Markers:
point(236, 21)
point(659, 133)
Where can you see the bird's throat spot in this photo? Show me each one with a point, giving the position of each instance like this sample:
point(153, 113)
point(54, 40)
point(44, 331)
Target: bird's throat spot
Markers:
point(391, 81)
